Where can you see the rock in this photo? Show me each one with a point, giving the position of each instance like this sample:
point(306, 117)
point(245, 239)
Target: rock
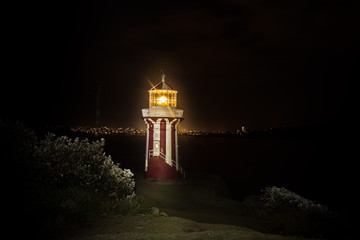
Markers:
point(155, 211)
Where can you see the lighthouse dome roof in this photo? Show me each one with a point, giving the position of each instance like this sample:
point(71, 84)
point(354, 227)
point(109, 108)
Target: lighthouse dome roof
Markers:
point(162, 85)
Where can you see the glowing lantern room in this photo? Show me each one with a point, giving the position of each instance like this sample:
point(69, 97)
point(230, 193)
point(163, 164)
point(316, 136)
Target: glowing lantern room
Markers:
point(162, 94)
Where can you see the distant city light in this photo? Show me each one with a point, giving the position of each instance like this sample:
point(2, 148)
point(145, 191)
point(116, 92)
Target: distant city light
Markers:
point(109, 131)
point(134, 131)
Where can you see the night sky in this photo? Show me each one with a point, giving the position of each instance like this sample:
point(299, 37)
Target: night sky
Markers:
point(262, 64)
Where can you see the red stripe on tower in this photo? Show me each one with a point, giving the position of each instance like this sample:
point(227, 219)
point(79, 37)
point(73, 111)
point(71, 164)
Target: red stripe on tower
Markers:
point(173, 153)
point(163, 136)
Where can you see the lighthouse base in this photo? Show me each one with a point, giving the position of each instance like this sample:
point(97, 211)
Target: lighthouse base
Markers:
point(158, 169)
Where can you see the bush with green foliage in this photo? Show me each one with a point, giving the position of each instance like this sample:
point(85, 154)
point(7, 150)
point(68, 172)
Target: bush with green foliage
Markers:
point(275, 197)
point(58, 175)
point(63, 162)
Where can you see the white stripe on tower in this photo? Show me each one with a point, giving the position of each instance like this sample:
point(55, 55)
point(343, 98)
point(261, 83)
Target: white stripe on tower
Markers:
point(168, 141)
point(147, 139)
point(147, 144)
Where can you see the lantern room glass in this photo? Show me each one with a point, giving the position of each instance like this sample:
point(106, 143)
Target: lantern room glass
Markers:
point(162, 98)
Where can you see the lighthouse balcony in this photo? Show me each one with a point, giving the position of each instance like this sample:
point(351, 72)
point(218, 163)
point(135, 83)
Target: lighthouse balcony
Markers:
point(162, 111)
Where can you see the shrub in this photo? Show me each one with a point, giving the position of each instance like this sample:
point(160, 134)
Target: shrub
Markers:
point(61, 162)
point(58, 181)
point(275, 197)
point(77, 201)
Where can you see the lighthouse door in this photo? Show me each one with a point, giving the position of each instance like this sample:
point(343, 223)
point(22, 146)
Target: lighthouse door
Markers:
point(156, 148)
point(157, 138)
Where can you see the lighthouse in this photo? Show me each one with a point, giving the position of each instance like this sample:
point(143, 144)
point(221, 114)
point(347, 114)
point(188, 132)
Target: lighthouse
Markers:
point(162, 119)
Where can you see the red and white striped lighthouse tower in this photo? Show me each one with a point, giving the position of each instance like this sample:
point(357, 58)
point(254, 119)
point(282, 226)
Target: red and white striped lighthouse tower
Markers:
point(162, 118)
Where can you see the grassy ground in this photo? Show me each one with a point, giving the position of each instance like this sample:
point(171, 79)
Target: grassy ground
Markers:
point(198, 208)
point(204, 198)
point(164, 228)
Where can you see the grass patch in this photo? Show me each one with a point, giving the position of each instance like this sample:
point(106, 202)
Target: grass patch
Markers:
point(167, 228)
point(52, 211)
point(203, 200)
point(135, 206)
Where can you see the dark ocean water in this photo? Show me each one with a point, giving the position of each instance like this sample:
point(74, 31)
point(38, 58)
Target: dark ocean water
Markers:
point(320, 169)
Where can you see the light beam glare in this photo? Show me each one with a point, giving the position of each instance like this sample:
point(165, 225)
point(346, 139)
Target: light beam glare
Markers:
point(150, 83)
